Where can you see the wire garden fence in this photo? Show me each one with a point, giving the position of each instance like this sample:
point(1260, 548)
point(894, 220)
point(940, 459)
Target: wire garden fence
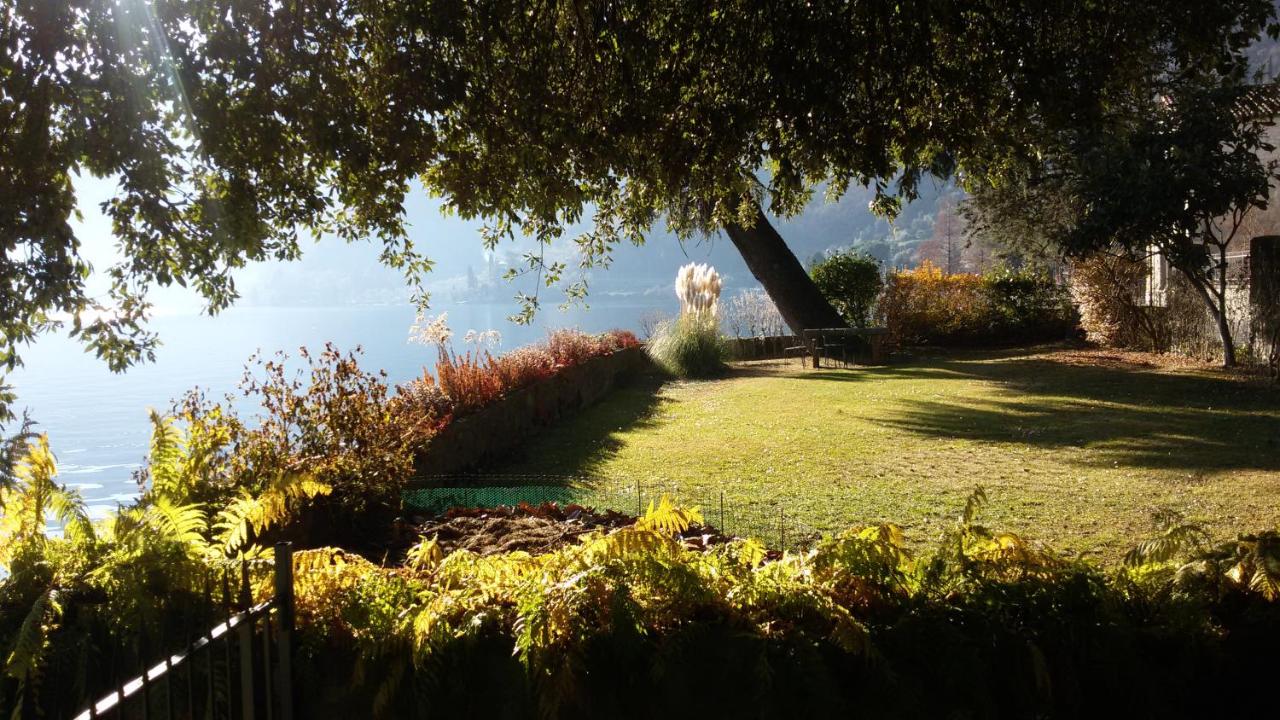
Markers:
point(770, 520)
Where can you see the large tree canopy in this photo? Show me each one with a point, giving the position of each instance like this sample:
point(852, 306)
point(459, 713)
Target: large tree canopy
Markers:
point(235, 125)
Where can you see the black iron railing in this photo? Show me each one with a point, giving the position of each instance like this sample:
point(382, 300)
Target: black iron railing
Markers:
point(241, 668)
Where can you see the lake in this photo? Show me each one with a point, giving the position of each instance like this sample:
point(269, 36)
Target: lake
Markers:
point(97, 421)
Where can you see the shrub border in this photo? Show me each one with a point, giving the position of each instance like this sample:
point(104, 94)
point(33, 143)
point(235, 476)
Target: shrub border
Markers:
point(497, 429)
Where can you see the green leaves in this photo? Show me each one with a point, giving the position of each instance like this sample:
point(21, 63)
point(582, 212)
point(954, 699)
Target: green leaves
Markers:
point(851, 282)
point(230, 129)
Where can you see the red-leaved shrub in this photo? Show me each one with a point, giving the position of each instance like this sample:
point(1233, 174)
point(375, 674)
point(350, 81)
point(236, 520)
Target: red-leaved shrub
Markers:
point(570, 347)
point(424, 406)
point(469, 380)
point(465, 383)
point(524, 366)
point(620, 339)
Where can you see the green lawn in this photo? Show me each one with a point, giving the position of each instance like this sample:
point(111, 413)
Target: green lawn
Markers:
point(1075, 448)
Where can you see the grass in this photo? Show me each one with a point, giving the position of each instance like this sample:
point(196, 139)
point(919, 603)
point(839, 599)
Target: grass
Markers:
point(1076, 449)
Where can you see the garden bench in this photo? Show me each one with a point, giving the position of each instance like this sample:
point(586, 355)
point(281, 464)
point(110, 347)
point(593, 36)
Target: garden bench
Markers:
point(837, 340)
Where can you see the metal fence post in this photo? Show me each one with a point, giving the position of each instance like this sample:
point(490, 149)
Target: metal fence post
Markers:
point(284, 637)
point(246, 646)
point(723, 531)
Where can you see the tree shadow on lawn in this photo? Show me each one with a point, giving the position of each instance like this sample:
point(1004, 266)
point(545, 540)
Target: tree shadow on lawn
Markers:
point(1124, 415)
point(580, 446)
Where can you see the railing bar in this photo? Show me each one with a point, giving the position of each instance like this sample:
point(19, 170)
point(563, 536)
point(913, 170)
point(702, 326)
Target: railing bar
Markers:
point(208, 609)
point(245, 643)
point(266, 662)
point(284, 636)
point(168, 680)
point(159, 670)
point(189, 623)
point(226, 644)
point(146, 681)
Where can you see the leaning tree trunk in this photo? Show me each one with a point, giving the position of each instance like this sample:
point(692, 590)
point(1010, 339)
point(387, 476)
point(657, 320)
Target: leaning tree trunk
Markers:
point(776, 267)
point(1218, 309)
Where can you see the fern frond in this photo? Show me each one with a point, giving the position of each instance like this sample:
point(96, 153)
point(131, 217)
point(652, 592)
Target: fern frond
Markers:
point(248, 514)
point(974, 503)
point(626, 543)
point(182, 524)
point(1174, 541)
point(424, 556)
point(24, 505)
point(1265, 582)
point(69, 508)
point(27, 655)
point(165, 456)
point(668, 518)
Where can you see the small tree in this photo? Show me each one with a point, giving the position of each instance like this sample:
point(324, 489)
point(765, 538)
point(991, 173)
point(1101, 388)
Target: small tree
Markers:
point(851, 282)
point(945, 247)
point(1179, 174)
point(1182, 184)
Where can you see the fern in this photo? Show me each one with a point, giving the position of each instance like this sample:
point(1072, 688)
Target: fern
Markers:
point(1176, 537)
point(426, 555)
point(667, 518)
point(28, 656)
point(972, 505)
point(26, 506)
point(248, 514)
point(180, 524)
point(167, 457)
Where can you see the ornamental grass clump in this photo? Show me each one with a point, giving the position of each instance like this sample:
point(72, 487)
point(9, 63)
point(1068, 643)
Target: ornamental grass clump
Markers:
point(690, 345)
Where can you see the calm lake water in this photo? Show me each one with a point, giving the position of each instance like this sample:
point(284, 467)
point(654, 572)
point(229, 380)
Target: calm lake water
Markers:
point(97, 421)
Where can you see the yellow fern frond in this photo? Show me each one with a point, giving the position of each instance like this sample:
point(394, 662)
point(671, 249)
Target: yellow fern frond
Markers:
point(183, 524)
point(165, 458)
point(424, 556)
point(249, 514)
point(25, 505)
point(627, 543)
point(668, 518)
point(69, 508)
point(27, 655)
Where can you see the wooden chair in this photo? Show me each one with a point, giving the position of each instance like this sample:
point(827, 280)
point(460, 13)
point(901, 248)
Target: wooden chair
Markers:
point(833, 341)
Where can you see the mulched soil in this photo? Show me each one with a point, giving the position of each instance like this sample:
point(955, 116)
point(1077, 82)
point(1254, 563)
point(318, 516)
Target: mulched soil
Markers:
point(531, 528)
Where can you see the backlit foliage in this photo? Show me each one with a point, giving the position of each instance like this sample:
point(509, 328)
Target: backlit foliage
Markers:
point(641, 581)
point(468, 382)
point(134, 562)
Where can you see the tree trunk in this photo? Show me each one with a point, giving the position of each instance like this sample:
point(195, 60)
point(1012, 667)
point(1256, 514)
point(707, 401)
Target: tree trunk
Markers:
point(799, 301)
point(1219, 312)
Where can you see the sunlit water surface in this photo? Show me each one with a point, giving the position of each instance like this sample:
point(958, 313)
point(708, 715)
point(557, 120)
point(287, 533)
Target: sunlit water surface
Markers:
point(97, 420)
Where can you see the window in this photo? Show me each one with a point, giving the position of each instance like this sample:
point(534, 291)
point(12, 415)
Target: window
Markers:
point(1156, 293)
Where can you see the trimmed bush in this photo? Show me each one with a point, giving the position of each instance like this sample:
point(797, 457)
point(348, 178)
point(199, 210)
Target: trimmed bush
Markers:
point(1028, 306)
point(851, 282)
point(926, 306)
point(689, 346)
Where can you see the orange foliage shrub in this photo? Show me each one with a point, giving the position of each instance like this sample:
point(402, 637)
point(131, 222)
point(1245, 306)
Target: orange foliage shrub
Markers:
point(926, 305)
point(465, 383)
point(468, 380)
point(524, 366)
point(1001, 307)
point(570, 347)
